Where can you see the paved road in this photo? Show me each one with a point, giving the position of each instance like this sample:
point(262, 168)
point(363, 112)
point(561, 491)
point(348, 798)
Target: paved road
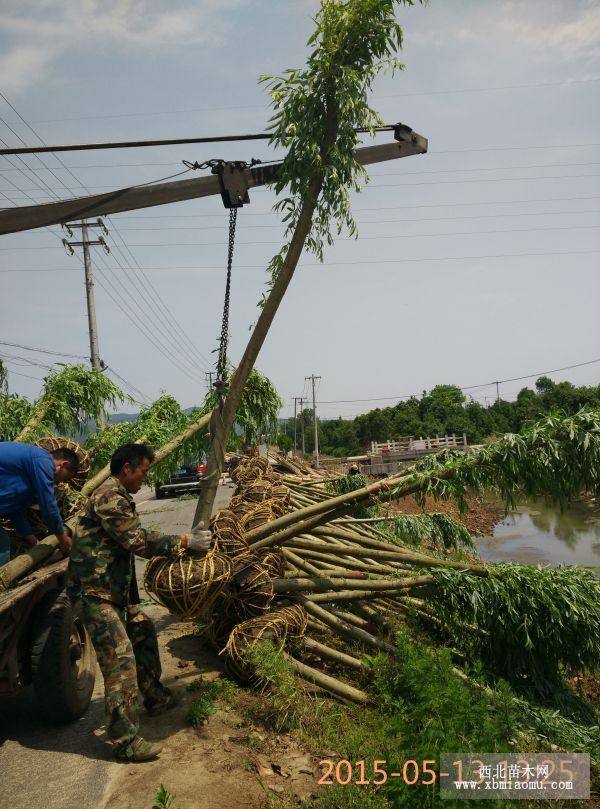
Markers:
point(70, 766)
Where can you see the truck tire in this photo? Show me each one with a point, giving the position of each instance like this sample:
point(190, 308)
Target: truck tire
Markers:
point(63, 662)
point(159, 492)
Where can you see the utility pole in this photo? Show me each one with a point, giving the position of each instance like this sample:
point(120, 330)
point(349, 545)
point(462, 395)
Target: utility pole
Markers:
point(497, 384)
point(302, 401)
point(295, 422)
point(209, 378)
point(313, 379)
point(85, 243)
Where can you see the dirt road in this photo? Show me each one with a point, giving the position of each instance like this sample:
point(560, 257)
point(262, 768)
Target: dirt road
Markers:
point(68, 767)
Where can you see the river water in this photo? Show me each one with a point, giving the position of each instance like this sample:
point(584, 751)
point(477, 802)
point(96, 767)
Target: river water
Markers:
point(536, 533)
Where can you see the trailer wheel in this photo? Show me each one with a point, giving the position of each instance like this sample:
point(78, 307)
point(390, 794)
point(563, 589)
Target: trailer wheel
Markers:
point(159, 493)
point(63, 661)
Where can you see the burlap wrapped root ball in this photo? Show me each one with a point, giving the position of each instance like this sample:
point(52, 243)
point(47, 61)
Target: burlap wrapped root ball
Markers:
point(185, 585)
point(227, 534)
point(277, 626)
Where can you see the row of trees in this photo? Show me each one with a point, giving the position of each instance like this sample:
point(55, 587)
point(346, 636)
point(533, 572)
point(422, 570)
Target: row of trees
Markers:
point(444, 410)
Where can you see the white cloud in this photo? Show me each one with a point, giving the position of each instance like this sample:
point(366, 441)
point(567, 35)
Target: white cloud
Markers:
point(39, 31)
point(22, 65)
point(571, 30)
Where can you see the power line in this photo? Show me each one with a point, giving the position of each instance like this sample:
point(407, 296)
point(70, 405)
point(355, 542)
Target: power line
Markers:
point(343, 263)
point(372, 174)
point(27, 376)
point(377, 185)
point(456, 204)
point(352, 239)
point(130, 386)
point(370, 221)
point(147, 295)
point(43, 350)
point(454, 91)
point(467, 387)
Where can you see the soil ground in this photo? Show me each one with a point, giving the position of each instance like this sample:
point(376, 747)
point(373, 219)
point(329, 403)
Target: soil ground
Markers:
point(482, 515)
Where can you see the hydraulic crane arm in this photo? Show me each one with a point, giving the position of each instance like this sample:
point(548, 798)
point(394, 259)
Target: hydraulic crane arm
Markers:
point(13, 220)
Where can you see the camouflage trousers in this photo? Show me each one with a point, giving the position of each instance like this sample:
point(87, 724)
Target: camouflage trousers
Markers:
point(127, 651)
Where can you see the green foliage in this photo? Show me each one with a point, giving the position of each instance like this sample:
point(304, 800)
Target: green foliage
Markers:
point(163, 799)
point(71, 398)
point(157, 424)
point(258, 409)
point(15, 412)
point(272, 669)
point(556, 458)
point(444, 532)
point(346, 483)
point(536, 620)
point(349, 483)
point(200, 711)
point(430, 711)
point(352, 43)
point(207, 691)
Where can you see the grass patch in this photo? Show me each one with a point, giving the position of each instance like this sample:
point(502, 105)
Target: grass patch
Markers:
point(207, 691)
point(423, 709)
point(283, 706)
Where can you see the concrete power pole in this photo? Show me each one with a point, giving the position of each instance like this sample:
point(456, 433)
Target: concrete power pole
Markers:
point(313, 379)
point(295, 423)
point(302, 401)
point(85, 243)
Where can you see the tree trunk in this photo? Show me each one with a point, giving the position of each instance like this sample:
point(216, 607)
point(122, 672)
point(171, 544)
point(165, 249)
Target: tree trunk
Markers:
point(224, 426)
point(34, 422)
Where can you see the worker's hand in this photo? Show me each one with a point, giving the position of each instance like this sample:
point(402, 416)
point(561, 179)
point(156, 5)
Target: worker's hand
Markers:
point(31, 540)
point(197, 543)
point(64, 543)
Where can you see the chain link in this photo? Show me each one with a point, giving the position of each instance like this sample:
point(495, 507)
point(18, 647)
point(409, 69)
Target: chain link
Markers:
point(222, 360)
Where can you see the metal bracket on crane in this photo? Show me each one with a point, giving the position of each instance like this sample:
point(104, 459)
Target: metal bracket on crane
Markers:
point(233, 182)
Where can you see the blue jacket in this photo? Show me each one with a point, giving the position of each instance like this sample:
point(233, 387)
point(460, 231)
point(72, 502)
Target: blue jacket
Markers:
point(27, 476)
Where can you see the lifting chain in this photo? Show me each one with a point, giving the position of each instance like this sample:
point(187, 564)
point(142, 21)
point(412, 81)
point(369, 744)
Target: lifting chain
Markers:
point(222, 359)
point(234, 193)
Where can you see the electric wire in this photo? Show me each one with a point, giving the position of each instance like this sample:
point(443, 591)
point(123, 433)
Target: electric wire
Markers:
point(43, 350)
point(340, 263)
point(379, 237)
point(453, 91)
point(462, 388)
point(113, 225)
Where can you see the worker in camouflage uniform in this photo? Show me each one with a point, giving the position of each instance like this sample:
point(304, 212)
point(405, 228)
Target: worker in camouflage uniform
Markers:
point(101, 570)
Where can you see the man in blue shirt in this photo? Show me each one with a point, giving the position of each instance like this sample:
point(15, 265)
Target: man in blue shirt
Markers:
point(28, 475)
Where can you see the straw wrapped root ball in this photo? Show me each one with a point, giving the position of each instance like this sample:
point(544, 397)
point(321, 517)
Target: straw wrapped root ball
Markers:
point(250, 590)
point(227, 534)
point(53, 442)
point(262, 513)
point(272, 561)
point(187, 586)
point(277, 626)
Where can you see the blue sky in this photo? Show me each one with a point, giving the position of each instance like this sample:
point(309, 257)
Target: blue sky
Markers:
point(475, 262)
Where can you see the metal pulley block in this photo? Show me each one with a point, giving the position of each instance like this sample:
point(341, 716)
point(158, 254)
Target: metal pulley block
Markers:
point(233, 182)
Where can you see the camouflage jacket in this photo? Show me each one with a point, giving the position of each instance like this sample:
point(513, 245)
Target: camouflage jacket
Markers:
point(107, 536)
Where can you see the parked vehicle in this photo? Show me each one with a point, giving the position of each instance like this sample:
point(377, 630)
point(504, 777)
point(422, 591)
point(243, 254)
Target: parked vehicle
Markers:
point(44, 643)
point(187, 479)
